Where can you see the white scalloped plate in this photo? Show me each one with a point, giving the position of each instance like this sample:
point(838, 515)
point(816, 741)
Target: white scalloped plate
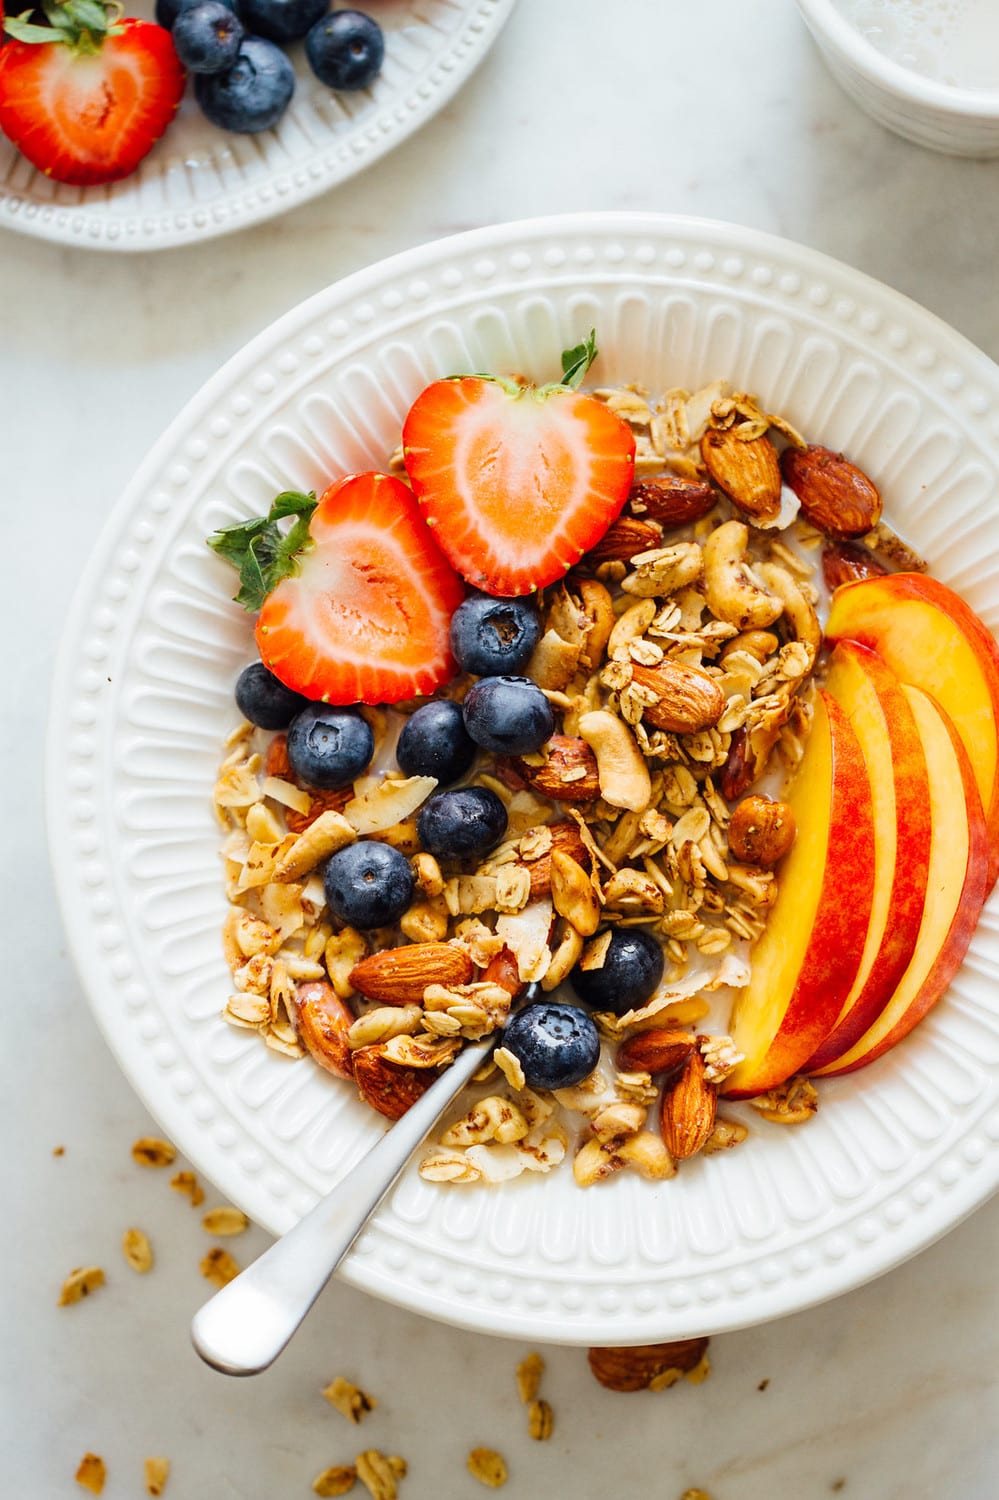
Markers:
point(897, 1154)
point(198, 181)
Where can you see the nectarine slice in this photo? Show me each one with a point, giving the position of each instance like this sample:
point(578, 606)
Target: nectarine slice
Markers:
point(932, 640)
point(956, 888)
point(806, 961)
point(872, 699)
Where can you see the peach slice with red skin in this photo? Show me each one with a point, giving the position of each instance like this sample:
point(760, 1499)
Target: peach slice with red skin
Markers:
point(957, 885)
point(807, 959)
point(873, 700)
point(932, 640)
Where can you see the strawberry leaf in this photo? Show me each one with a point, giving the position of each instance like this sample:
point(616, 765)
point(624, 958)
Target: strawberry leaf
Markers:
point(576, 362)
point(261, 552)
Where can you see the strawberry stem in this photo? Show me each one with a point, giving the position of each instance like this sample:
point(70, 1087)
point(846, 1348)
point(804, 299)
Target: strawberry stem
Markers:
point(576, 362)
point(261, 552)
point(82, 25)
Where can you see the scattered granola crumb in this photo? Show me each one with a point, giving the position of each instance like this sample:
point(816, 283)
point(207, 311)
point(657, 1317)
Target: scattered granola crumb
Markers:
point(157, 1471)
point(224, 1221)
point(149, 1151)
point(58, 1150)
point(695, 1495)
point(837, 1485)
point(80, 1283)
point(378, 1474)
point(137, 1250)
point(529, 1373)
point(92, 1473)
point(335, 1481)
point(540, 1421)
point(487, 1467)
point(218, 1266)
point(763, 1384)
point(699, 1374)
point(186, 1182)
point(349, 1399)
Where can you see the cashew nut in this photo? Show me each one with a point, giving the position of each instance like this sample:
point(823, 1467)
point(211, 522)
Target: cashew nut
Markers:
point(756, 643)
point(634, 622)
point(598, 607)
point(733, 591)
point(798, 612)
point(624, 775)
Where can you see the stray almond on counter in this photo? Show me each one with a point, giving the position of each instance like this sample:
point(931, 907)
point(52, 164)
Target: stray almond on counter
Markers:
point(834, 494)
point(646, 1367)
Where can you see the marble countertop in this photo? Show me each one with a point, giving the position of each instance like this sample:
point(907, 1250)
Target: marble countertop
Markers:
point(722, 110)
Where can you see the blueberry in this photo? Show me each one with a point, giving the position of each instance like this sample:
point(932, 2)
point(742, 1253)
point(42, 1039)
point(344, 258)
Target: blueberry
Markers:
point(328, 747)
point(434, 742)
point(467, 821)
point(264, 700)
point(508, 714)
point(556, 1045)
point(345, 50)
point(281, 20)
point(207, 37)
point(632, 969)
point(167, 11)
point(368, 884)
point(490, 636)
point(253, 94)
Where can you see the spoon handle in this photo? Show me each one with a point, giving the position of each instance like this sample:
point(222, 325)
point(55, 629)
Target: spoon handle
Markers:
point(245, 1326)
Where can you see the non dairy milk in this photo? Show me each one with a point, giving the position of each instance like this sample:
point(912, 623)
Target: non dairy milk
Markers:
point(952, 41)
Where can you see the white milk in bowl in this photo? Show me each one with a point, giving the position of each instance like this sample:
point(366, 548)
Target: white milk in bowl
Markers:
point(954, 42)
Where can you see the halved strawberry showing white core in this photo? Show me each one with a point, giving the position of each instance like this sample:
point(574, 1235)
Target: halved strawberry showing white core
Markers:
point(517, 481)
point(356, 601)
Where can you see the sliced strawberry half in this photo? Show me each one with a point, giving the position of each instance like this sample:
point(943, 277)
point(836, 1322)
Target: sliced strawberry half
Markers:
point(518, 481)
point(364, 617)
point(86, 97)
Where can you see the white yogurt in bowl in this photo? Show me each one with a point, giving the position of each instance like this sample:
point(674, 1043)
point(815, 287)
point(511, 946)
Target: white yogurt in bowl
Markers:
point(927, 69)
point(955, 42)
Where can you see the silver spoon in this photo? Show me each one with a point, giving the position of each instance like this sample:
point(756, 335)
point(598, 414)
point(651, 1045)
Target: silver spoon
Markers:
point(245, 1326)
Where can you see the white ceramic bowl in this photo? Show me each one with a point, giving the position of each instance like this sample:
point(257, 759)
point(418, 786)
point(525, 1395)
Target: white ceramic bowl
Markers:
point(960, 122)
point(142, 699)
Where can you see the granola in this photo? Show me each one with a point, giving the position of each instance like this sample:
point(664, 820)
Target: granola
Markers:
point(679, 657)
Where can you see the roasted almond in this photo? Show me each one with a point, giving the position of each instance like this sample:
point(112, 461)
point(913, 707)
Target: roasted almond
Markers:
point(569, 772)
point(687, 1111)
point(835, 495)
point(847, 562)
point(657, 1050)
point(565, 836)
point(761, 831)
point(322, 1022)
point(398, 976)
point(503, 970)
point(687, 698)
point(389, 1089)
point(748, 470)
point(645, 1367)
point(738, 773)
point(626, 537)
point(672, 501)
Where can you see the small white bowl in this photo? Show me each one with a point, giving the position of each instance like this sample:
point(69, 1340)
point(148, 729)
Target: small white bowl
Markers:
point(960, 122)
